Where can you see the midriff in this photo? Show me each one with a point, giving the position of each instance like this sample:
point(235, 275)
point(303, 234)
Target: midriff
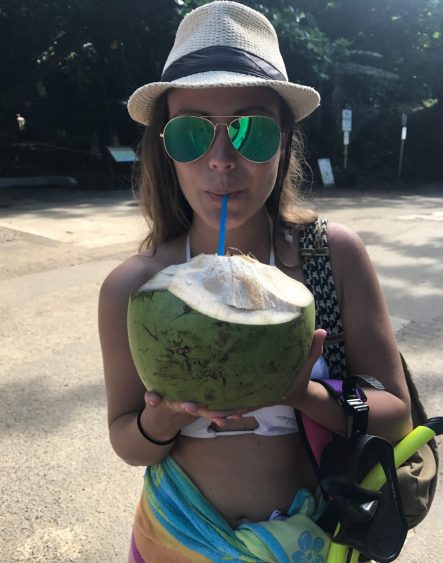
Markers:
point(246, 477)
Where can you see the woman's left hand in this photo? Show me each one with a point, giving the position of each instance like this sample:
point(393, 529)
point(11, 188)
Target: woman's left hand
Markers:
point(295, 396)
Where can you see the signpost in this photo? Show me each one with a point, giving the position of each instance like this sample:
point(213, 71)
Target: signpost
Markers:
point(346, 127)
point(404, 121)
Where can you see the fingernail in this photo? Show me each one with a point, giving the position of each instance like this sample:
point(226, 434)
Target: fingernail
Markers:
point(220, 422)
point(153, 403)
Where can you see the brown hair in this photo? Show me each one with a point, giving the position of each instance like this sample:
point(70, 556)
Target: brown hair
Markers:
point(166, 210)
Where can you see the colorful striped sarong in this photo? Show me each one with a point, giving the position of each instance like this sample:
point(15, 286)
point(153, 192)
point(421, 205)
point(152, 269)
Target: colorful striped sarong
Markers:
point(175, 523)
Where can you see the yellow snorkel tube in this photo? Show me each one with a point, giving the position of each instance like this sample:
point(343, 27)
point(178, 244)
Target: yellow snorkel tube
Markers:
point(376, 478)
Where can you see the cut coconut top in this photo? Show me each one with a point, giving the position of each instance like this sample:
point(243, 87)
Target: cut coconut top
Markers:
point(236, 289)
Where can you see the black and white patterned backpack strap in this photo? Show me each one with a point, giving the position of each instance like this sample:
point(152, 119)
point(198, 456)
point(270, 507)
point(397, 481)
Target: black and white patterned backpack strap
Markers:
point(314, 250)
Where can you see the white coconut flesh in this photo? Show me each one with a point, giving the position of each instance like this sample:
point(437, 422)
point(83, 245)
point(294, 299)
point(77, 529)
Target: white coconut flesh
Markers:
point(235, 289)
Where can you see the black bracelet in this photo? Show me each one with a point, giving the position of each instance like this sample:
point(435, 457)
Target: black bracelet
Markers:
point(143, 433)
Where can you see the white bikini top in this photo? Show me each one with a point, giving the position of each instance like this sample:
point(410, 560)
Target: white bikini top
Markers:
point(189, 253)
point(271, 421)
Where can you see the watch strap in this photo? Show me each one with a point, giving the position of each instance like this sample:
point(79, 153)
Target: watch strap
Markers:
point(351, 397)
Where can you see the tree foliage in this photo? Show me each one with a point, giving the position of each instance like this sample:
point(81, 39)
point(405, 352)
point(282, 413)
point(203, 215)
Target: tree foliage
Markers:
point(69, 68)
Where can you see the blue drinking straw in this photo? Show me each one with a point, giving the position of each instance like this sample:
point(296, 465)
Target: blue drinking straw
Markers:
point(223, 214)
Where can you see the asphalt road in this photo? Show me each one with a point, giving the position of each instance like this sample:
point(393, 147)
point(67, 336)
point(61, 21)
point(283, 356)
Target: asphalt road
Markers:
point(65, 496)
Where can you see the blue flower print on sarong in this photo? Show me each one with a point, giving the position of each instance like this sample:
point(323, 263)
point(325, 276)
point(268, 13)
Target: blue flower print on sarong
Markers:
point(310, 549)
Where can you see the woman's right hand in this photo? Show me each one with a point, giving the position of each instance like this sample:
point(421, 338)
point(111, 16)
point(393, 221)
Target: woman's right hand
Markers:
point(193, 410)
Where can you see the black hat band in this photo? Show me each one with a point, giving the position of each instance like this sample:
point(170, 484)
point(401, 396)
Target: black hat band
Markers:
point(229, 59)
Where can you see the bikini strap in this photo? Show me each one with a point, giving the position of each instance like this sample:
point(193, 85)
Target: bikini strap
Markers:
point(188, 247)
point(272, 252)
point(189, 253)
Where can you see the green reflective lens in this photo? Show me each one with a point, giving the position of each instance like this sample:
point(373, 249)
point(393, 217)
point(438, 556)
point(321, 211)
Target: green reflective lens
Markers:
point(187, 138)
point(256, 138)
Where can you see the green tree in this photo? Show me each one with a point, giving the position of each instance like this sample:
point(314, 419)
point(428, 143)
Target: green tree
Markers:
point(70, 67)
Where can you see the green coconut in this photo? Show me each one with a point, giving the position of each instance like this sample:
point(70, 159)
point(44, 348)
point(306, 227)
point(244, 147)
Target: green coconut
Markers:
point(223, 331)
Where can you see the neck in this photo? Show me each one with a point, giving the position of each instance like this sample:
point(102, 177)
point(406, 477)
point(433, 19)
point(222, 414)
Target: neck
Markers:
point(253, 237)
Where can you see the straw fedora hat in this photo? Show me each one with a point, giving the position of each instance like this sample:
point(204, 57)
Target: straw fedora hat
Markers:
point(219, 44)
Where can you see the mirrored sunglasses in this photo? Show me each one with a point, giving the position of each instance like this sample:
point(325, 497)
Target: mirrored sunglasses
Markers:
point(187, 138)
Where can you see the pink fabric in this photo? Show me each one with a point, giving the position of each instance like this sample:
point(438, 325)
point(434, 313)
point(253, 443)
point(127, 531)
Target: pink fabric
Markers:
point(318, 437)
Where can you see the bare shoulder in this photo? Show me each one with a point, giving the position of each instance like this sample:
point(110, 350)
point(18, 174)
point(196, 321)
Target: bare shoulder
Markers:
point(353, 271)
point(140, 268)
point(129, 276)
point(343, 241)
point(347, 251)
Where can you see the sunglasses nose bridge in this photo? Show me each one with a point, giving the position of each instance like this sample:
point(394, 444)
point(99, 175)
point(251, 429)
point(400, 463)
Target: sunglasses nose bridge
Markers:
point(222, 151)
point(223, 124)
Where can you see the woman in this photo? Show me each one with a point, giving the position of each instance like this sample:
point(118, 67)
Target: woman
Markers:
point(202, 496)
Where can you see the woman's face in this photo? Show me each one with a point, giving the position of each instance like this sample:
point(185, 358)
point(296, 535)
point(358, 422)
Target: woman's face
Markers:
point(222, 170)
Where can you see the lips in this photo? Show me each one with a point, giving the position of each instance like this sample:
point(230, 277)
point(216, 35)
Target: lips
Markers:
point(219, 195)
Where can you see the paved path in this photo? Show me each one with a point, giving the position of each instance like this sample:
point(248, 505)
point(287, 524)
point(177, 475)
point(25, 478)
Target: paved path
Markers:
point(65, 495)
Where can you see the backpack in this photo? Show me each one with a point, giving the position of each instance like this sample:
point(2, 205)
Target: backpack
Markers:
point(417, 477)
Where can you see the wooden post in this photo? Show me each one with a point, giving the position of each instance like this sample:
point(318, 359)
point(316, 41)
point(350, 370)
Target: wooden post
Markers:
point(345, 149)
point(404, 120)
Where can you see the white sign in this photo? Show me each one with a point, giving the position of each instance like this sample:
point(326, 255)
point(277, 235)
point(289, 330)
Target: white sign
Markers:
point(346, 137)
point(346, 120)
point(327, 176)
point(403, 133)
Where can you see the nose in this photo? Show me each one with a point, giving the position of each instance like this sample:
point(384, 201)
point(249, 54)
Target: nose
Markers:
point(222, 155)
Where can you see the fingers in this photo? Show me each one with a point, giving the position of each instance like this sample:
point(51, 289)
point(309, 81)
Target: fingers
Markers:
point(302, 380)
point(226, 414)
point(316, 350)
point(152, 399)
point(220, 419)
point(189, 408)
point(317, 344)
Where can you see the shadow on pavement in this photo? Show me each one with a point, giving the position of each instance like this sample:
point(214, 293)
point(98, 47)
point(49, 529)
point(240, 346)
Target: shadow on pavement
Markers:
point(60, 200)
point(40, 409)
